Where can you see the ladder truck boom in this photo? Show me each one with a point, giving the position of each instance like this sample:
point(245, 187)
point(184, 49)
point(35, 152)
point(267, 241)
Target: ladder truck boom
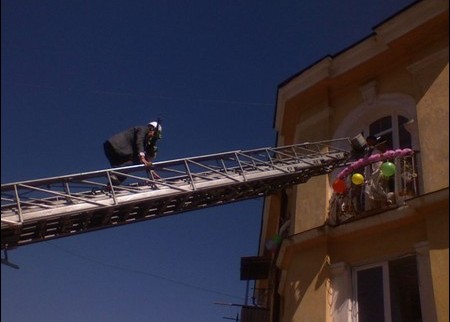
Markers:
point(43, 209)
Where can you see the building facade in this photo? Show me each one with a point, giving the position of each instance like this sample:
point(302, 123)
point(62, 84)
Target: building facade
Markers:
point(368, 242)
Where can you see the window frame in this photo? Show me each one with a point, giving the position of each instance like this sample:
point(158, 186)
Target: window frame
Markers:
point(386, 289)
point(386, 284)
point(364, 114)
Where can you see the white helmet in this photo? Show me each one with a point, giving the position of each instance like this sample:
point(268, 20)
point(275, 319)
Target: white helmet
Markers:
point(155, 124)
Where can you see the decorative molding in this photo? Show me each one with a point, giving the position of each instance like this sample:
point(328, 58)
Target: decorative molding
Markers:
point(424, 63)
point(410, 19)
point(357, 55)
point(369, 92)
point(384, 104)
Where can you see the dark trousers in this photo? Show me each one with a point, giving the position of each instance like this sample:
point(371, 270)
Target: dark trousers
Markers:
point(115, 160)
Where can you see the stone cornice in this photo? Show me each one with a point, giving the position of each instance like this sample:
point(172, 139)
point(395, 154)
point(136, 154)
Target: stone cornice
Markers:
point(377, 43)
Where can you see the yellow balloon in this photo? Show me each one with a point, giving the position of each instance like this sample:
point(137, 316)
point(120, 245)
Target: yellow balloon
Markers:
point(357, 179)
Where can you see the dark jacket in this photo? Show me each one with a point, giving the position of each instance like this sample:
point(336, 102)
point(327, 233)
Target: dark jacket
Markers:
point(129, 143)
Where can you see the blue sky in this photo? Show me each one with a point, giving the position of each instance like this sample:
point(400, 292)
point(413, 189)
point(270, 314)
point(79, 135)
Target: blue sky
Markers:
point(75, 72)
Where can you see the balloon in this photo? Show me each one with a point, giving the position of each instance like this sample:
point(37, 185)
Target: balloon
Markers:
point(388, 169)
point(277, 239)
point(346, 172)
point(407, 151)
point(339, 186)
point(374, 158)
point(358, 164)
point(389, 154)
point(404, 153)
point(398, 153)
point(357, 179)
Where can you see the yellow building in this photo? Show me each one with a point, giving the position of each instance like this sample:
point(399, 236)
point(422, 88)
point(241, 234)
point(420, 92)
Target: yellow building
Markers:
point(370, 247)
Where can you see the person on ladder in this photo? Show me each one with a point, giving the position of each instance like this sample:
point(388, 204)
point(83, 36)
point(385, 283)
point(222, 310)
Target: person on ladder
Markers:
point(136, 145)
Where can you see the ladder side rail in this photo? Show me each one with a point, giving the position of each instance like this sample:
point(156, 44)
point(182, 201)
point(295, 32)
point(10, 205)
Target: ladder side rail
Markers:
point(41, 202)
point(127, 175)
point(147, 180)
point(9, 201)
point(197, 171)
point(316, 147)
point(48, 196)
point(326, 143)
point(205, 175)
point(171, 186)
point(199, 158)
point(184, 172)
point(278, 157)
point(337, 155)
point(283, 155)
point(73, 177)
point(330, 150)
point(62, 194)
point(311, 149)
point(94, 184)
point(256, 157)
point(181, 174)
point(267, 163)
point(230, 156)
point(284, 158)
point(37, 203)
point(168, 170)
point(10, 222)
point(59, 179)
point(213, 170)
point(287, 147)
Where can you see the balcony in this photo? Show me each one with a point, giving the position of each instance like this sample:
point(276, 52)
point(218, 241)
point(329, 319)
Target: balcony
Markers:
point(373, 184)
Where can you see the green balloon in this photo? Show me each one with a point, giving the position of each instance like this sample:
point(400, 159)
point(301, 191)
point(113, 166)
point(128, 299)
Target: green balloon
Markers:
point(388, 169)
point(277, 239)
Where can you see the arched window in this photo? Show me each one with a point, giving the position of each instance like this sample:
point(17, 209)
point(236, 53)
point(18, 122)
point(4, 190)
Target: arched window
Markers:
point(391, 117)
point(392, 129)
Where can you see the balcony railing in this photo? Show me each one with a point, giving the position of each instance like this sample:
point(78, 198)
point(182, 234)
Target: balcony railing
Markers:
point(372, 184)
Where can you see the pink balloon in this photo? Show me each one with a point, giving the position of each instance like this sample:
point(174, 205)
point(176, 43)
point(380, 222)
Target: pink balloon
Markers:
point(358, 164)
point(389, 154)
point(408, 151)
point(375, 157)
point(398, 153)
point(365, 162)
point(341, 174)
